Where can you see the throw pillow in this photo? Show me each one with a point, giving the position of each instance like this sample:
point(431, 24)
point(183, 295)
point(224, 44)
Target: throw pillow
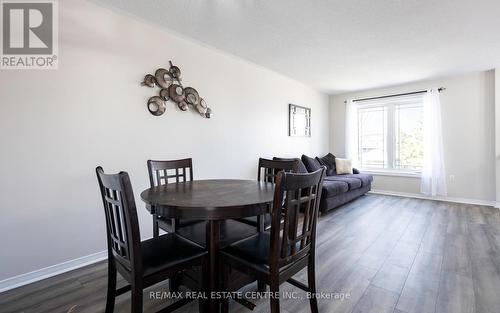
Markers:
point(343, 166)
point(310, 163)
point(328, 161)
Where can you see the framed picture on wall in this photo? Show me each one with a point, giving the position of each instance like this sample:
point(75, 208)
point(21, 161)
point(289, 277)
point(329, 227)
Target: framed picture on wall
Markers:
point(299, 121)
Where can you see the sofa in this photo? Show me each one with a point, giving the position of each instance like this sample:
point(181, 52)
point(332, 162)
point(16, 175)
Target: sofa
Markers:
point(337, 189)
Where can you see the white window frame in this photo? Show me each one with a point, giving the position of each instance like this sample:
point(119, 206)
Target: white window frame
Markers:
point(390, 136)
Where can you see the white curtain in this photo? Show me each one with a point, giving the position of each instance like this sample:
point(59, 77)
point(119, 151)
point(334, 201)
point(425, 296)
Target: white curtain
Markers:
point(351, 132)
point(433, 172)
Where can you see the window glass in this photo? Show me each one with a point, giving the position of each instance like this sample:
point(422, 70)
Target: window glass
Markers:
point(390, 133)
point(372, 137)
point(409, 137)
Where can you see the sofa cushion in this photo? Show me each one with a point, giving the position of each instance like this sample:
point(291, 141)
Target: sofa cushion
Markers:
point(331, 188)
point(311, 164)
point(353, 183)
point(328, 161)
point(365, 179)
point(301, 169)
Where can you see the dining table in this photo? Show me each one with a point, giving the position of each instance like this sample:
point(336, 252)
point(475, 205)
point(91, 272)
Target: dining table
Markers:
point(213, 200)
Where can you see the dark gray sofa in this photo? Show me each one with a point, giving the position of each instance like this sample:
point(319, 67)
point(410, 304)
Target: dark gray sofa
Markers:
point(337, 189)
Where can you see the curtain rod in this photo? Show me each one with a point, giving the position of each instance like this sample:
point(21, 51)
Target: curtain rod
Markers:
point(396, 95)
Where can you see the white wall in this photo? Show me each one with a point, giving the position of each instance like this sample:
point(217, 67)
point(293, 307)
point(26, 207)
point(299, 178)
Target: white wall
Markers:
point(497, 133)
point(468, 131)
point(57, 126)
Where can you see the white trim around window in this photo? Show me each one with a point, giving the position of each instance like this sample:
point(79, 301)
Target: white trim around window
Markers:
point(385, 139)
point(398, 173)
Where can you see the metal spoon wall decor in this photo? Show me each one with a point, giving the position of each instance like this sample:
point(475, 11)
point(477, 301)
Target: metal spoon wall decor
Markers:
point(169, 82)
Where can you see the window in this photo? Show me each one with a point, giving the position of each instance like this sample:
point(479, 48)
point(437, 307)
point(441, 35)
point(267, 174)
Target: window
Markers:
point(390, 133)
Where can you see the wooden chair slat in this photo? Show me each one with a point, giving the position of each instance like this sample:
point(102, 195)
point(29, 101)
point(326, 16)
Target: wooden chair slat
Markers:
point(171, 171)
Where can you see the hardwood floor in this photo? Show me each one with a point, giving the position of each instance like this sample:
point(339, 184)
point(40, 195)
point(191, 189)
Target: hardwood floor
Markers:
point(382, 254)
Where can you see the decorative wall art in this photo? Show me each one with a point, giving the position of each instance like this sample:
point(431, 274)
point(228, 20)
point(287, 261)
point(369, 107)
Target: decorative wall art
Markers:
point(169, 82)
point(299, 124)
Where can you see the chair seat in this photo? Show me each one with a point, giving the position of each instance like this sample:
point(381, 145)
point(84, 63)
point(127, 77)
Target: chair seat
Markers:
point(166, 251)
point(254, 249)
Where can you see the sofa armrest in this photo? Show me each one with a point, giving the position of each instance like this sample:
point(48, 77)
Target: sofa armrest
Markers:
point(355, 171)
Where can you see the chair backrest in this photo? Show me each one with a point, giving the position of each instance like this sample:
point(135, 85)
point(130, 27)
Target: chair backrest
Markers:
point(269, 169)
point(295, 195)
point(122, 225)
point(174, 171)
point(301, 167)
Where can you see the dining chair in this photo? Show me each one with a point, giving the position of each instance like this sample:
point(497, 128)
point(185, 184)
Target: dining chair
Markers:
point(275, 257)
point(267, 172)
point(141, 263)
point(162, 173)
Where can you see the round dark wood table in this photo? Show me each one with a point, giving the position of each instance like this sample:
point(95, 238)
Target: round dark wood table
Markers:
point(212, 200)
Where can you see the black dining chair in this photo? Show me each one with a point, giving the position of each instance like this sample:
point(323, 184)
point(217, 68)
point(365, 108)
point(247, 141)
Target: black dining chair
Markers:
point(276, 257)
point(162, 173)
point(141, 263)
point(267, 172)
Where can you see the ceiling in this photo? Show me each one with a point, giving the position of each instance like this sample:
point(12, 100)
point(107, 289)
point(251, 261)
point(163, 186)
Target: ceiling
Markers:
point(338, 46)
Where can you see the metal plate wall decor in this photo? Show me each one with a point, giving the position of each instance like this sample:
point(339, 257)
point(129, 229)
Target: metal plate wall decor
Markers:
point(209, 113)
point(162, 77)
point(183, 105)
point(202, 107)
point(149, 80)
point(192, 96)
point(175, 72)
point(169, 82)
point(156, 105)
point(164, 94)
point(176, 93)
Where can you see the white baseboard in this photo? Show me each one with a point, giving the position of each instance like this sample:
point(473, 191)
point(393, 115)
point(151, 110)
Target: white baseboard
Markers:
point(27, 278)
point(497, 205)
point(437, 198)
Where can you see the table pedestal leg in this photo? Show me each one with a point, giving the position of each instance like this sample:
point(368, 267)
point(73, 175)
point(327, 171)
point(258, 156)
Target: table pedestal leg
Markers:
point(212, 276)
